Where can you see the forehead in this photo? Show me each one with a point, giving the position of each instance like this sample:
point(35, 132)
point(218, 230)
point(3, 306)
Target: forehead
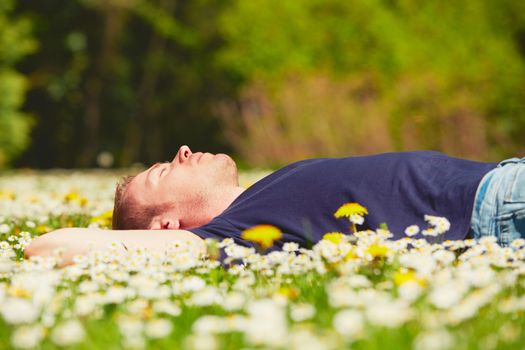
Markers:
point(142, 179)
point(141, 185)
point(137, 187)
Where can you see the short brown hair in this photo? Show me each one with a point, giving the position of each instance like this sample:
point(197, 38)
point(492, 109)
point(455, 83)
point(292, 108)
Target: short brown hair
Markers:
point(127, 213)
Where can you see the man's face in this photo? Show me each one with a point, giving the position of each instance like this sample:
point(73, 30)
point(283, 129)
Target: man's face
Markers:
point(189, 178)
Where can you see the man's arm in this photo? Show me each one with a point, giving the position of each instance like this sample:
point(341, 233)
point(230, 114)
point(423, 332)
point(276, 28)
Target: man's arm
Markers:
point(76, 241)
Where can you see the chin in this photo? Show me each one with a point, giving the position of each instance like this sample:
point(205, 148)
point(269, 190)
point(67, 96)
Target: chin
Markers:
point(228, 165)
point(227, 158)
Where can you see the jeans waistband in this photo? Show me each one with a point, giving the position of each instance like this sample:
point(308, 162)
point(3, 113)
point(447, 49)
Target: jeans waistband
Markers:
point(485, 181)
point(489, 197)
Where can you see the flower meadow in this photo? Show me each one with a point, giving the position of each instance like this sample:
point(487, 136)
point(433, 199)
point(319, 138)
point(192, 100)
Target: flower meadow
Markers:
point(357, 290)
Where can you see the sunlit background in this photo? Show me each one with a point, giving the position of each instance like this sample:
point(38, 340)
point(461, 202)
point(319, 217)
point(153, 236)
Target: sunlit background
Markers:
point(119, 83)
point(111, 83)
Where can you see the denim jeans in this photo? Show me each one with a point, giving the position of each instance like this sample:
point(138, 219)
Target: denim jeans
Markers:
point(499, 206)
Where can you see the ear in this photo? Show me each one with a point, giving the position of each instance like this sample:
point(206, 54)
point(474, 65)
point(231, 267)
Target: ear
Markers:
point(164, 222)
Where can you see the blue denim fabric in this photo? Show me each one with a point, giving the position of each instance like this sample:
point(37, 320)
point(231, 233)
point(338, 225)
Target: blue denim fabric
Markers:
point(499, 206)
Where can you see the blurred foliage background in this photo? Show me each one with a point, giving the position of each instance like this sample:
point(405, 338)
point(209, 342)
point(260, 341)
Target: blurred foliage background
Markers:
point(114, 82)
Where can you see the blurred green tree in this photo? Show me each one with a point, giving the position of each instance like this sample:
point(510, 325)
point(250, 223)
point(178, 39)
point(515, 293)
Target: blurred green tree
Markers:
point(275, 81)
point(331, 77)
point(15, 43)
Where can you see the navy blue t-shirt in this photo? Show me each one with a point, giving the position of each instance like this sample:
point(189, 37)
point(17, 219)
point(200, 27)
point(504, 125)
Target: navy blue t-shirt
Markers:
point(397, 189)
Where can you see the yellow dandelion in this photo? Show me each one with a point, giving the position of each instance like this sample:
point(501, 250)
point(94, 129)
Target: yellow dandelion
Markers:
point(146, 313)
point(334, 237)
point(377, 250)
point(349, 209)
point(83, 201)
point(103, 219)
point(41, 229)
point(71, 196)
point(354, 212)
point(351, 255)
point(403, 276)
point(19, 292)
point(9, 195)
point(264, 235)
point(289, 292)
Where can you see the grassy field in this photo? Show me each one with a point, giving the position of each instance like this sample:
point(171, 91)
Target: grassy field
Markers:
point(358, 291)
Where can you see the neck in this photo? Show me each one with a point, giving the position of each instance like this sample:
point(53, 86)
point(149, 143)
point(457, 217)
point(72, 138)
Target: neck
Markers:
point(223, 201)
point(211, 207)
point(235, 192)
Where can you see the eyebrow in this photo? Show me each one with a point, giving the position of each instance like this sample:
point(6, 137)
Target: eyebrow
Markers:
point(156, 165)
point(148, 173)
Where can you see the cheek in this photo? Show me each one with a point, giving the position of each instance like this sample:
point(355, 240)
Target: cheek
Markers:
point(180, 182)
point(164, 188)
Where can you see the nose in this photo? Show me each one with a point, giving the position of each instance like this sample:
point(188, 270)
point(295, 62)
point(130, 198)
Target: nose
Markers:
point(183, 154)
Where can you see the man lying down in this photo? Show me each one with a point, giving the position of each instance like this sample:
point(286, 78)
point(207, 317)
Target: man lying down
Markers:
point(197, 196)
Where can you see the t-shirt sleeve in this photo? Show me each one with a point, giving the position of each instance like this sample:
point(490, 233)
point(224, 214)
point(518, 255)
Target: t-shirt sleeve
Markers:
point(220, 229)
